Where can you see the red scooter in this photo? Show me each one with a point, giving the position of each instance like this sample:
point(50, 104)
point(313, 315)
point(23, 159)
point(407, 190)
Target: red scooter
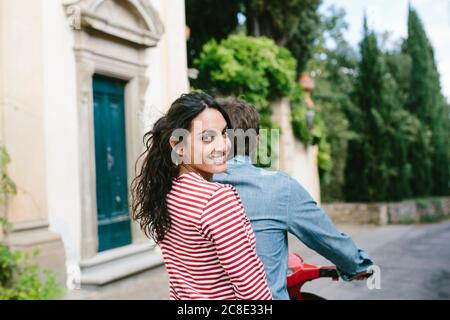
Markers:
point(300, 272)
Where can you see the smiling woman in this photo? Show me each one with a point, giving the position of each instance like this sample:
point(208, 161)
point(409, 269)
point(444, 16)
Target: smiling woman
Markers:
point(207, 242)
point(205, 147)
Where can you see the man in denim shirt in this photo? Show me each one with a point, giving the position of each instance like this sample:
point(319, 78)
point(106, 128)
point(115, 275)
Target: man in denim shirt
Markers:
point(276, 204)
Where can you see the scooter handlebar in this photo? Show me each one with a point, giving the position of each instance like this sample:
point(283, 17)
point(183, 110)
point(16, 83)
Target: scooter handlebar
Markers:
point(328, 272)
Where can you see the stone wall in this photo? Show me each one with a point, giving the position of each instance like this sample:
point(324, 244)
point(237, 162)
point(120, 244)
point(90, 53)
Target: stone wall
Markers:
point(409, 211)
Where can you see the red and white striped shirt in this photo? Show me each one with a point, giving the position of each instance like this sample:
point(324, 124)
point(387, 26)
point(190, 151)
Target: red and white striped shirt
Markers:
point(209, 251)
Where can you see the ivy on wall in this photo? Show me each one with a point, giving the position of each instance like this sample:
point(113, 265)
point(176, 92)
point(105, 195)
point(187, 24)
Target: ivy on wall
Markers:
point(7, 186)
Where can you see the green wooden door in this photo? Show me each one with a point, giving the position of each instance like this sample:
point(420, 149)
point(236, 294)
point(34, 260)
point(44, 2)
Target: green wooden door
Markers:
point(110, 163)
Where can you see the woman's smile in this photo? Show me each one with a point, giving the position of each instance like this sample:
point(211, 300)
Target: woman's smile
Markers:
point(218, 158)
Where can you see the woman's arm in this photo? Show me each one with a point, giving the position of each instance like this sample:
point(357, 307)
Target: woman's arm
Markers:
point(224, 223)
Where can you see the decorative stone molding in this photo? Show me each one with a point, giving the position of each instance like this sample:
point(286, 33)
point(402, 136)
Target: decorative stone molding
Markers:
point(110, 39)
point(137, 83)
point(134, 21)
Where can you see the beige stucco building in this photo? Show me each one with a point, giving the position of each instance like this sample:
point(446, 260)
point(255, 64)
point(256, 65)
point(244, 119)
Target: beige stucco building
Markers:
point(51, 52)
point(81, 81)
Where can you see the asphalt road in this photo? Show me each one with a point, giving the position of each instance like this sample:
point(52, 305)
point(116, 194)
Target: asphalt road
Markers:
point(414, 262)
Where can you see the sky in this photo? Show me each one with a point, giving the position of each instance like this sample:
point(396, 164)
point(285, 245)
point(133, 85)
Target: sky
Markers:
point(391, 15)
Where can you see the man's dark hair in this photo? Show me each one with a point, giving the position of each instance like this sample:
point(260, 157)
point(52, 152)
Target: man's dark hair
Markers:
point(243, 115)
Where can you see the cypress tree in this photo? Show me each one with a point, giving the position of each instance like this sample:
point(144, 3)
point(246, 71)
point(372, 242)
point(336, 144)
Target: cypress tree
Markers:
point(366, 175)
point(377, 165)
point(429, 156)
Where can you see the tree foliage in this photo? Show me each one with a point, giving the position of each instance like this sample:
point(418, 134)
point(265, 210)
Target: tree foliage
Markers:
point(261, 72)
point(293, 24)
point(377, 165)
point(333, 67)
point(290, 23)
point(383, 128)
point(430, 154)
point(254, 68)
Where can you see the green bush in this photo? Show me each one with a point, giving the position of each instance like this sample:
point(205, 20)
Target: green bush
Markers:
point(260, 72)
point(255, 69)
point(20, 279)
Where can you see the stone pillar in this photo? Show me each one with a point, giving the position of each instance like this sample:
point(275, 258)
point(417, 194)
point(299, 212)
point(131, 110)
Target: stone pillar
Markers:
point(311, 152)
point(296, 158)
point(23, 130)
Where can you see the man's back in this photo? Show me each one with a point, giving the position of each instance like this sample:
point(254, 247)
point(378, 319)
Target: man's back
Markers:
point(264, 197)
point(276, 204)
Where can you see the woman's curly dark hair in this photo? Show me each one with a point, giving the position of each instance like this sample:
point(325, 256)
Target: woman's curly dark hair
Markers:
point(150, 187)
